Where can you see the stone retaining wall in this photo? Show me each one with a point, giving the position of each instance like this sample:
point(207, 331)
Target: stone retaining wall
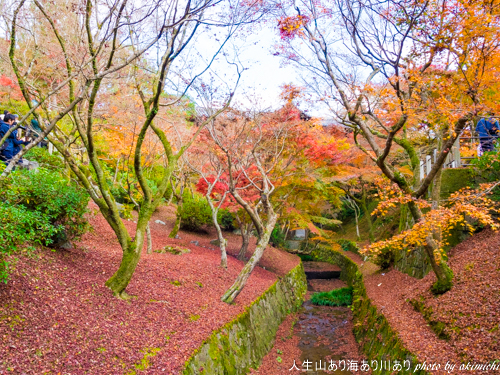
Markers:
point(242, 343)
point(375, 336)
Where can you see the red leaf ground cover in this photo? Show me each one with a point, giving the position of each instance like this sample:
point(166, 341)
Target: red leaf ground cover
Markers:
point(56, 315)
point(470, 311)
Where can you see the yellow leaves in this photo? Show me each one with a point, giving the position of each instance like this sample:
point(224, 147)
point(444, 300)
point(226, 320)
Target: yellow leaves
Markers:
point(470, 203)
point(406, 170)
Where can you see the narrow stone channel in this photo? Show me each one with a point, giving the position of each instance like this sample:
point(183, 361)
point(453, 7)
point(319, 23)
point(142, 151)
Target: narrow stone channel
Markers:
point(317, 334)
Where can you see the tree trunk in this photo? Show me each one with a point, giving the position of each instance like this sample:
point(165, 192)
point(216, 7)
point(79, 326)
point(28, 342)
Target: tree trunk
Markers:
point(131, 255)
point(287, 230)
point(436, 185)
point(150, 241)
point(358, 237)
point(220, 237)
point(369, 221)
point(177, 225)
point(170, 198)
point(245, 230)
point(116, 171)
point(243, 276)
point(171, 195)
point(436, 190)
point(443, 273)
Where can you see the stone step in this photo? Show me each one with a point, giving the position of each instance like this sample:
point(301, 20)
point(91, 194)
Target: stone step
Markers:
point(321, 270)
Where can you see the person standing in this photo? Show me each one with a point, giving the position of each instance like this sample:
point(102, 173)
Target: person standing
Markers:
point(12, 145)
point(488, 131)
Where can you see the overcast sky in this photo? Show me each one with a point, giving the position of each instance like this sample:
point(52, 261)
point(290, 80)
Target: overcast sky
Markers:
point(266, 73)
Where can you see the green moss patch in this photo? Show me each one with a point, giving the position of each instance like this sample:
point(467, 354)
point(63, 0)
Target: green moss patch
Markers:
point(336, 297)
point(144, 363)
point(176, 250)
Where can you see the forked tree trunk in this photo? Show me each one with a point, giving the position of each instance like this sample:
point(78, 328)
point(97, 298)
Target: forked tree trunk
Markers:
point(243, 276)
point(245, 241)
point(170, 198)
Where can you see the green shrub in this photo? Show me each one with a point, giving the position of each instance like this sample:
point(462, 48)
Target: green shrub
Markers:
point(52, 196)
point(277, 237)
point(195, 212)
point(46, 160)
point(348, 245)
point(226, 219)
point(385, 258)
point(336, 297)
point(20, 225)
point(39, 207)
point(306, 257)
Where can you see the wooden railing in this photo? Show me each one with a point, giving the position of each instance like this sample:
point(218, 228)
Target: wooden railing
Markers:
point(454, 158)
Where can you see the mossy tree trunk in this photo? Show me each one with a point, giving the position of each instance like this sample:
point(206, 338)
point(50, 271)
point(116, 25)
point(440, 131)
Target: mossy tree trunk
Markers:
point(131, 249)
point(150, 240)
point(178, 214)
point(243, 276)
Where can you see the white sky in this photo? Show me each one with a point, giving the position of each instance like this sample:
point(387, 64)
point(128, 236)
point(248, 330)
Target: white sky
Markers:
point(265, 73)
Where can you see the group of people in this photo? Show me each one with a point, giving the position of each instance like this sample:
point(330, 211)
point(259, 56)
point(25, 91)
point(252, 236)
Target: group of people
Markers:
point(13, 143)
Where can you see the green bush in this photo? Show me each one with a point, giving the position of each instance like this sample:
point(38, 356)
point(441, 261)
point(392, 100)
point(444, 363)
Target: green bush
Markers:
point(277, 237)
point(226, 219)
point(348, 245)
point(44, 159)
point(336, 297)
point(39, 207)
point(306, 257)
point(52, 196)
point(20, 225)
point(385, 258)
point(195, 212)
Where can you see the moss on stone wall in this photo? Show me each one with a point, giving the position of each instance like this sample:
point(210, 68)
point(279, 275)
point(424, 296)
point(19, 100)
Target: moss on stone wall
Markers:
point(372, 330)
point(242, 343)
point(416, 262)
point(454, 179)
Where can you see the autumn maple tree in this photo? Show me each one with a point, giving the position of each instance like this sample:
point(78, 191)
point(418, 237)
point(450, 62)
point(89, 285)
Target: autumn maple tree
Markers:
point(262, 164)
point(386, 69)
point(97, 51)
